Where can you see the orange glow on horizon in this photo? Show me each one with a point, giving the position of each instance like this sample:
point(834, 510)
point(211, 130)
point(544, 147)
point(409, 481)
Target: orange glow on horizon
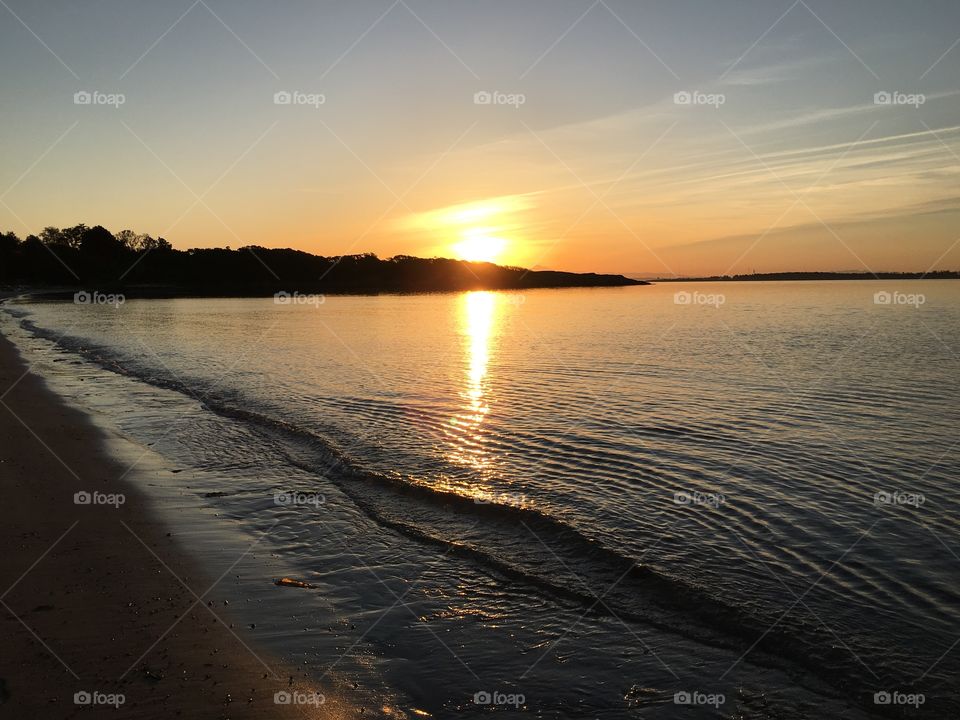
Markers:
point(489, 230)
point(478, 246)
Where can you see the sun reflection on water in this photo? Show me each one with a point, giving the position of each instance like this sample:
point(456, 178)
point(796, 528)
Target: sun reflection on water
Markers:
point(479, 316)
point(478, 320)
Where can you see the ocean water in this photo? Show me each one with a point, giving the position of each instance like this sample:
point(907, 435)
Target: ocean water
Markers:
point(681, 500)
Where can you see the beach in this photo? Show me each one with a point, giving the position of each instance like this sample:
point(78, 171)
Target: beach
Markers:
point(102, 609)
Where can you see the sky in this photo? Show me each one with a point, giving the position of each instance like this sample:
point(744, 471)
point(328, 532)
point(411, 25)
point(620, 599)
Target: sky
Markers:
point(654, 137)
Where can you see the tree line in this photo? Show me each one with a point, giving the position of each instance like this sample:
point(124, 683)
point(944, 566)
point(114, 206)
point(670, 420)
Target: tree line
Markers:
point(93, 257)
point(73, 254)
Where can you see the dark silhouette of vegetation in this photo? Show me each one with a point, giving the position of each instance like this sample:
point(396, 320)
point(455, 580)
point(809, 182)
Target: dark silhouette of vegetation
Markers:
point(932, 275)
point(93, 257)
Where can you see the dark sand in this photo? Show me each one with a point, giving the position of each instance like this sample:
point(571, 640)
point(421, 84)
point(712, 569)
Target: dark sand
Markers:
point(84, 606)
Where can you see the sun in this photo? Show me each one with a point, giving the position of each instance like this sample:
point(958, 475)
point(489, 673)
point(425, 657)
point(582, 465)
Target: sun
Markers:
point(490, 230)
point(477, 245)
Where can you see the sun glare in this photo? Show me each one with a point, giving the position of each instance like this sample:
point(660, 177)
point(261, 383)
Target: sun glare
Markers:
point(482, 231)
point(477, 245)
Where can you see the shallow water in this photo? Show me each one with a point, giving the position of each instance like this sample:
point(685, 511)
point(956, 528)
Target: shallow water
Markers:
point(592, 498)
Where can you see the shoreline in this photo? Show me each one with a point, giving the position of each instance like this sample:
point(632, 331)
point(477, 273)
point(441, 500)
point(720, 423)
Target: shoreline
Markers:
point(816, 277)
point(99, 597)
point(66, 293)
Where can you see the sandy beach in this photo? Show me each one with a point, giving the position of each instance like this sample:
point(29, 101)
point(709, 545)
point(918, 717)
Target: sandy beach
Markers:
point(101, 609)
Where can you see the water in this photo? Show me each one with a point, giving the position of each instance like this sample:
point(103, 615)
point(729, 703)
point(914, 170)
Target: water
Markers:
point(593, 498)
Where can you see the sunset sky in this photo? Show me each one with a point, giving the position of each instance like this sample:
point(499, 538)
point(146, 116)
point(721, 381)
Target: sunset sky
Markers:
point(583, 160)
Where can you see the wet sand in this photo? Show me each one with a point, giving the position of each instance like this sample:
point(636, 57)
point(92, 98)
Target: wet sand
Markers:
point(99, 598)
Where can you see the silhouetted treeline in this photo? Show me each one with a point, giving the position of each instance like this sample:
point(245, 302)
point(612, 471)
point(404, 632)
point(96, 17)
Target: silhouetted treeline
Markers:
point(93, 257)
point(933, 275)
point(72, 254)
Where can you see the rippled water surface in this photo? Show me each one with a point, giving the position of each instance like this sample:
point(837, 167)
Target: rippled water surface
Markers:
point(594, 498)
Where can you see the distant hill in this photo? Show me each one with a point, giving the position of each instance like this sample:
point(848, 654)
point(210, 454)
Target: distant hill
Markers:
point(139, 265)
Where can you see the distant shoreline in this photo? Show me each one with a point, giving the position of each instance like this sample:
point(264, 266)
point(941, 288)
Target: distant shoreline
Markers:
point(65, 293)
point(786, 276)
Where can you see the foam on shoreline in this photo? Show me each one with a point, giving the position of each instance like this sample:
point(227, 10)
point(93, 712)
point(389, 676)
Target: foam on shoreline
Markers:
point(102, 599)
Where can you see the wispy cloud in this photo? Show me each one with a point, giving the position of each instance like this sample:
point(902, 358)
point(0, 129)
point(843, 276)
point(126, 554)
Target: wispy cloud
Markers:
point(773, 73)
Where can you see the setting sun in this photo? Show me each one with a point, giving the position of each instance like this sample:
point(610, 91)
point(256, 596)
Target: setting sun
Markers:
point(478, 246)
point(488, 230)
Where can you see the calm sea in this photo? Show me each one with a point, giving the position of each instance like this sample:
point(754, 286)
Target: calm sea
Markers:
point(681, 500)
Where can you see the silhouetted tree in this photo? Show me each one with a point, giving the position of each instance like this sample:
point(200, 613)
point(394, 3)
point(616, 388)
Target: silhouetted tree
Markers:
point(98, 243)
point(130, 260)
point(9, 244)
